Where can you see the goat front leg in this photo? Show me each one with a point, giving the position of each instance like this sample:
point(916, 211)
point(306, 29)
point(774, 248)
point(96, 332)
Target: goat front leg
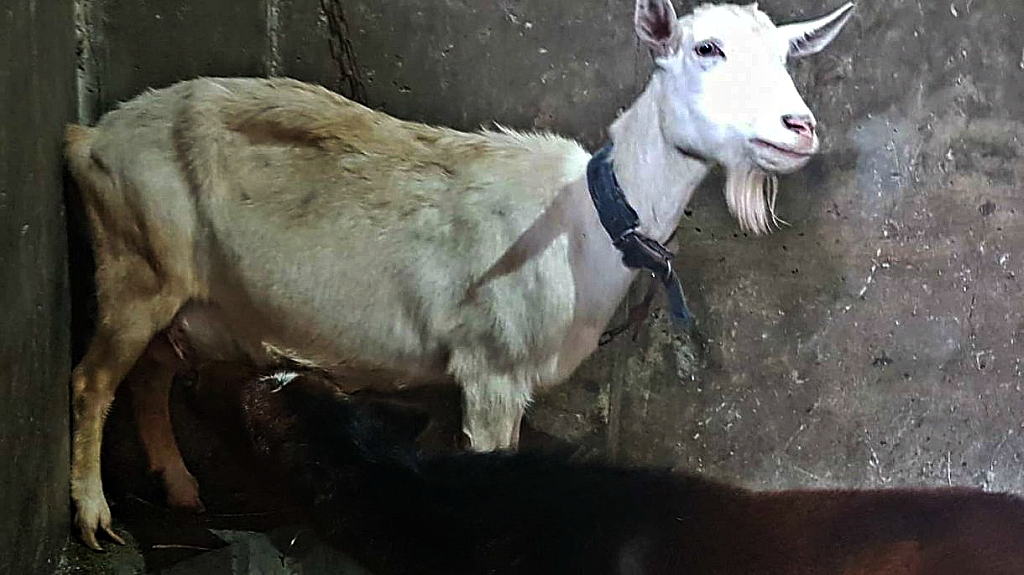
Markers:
point(492, 411)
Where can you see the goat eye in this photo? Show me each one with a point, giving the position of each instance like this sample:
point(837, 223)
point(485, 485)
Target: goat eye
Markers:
point(708, 50)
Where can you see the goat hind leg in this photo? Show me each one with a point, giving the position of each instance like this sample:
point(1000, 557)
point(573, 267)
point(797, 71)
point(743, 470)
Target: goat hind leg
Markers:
point(124, 331)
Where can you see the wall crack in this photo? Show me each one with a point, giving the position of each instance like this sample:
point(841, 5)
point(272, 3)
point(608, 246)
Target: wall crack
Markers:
point(351, 83)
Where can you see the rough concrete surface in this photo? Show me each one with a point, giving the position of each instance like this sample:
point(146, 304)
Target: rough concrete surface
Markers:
point(36, 98)
point(877, 339)
point(136, 44)
point(563, 66)
point(874, 341)
point(304, 40)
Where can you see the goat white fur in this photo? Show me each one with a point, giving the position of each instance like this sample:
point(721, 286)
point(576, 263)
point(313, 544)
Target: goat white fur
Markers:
point(275, 214)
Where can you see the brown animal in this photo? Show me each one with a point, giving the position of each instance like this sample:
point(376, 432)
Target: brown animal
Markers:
point(401, 512)
point(260, 214)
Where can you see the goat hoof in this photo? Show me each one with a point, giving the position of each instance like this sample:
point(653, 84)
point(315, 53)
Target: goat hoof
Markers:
point(96, 518)
point(182, 491)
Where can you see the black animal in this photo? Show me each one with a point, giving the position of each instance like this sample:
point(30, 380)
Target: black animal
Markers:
point(401, 512)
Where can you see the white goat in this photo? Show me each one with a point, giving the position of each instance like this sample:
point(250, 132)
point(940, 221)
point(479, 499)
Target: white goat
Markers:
point(277, 213)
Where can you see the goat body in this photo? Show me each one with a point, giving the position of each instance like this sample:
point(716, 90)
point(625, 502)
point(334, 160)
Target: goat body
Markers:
point(401, 512)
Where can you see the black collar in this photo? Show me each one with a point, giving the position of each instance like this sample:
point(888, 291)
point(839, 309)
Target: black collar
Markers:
point(620, 220)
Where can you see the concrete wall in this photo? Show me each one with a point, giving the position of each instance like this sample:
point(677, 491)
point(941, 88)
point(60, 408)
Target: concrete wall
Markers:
point(136, 45)
point(36, 98)
point(877, 340)
point(874, 341)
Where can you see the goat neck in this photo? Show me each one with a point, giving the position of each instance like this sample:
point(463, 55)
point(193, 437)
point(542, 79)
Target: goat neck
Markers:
point(657, 178)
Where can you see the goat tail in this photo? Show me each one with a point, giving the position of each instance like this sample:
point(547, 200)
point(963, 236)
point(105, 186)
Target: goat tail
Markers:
point(78, 147)
point(89, 172)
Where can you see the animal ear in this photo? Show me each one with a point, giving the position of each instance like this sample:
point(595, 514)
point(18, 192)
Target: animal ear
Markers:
point(657, 25)
point(811, 37)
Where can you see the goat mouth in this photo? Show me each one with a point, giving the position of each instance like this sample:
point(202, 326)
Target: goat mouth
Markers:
point(784, 150)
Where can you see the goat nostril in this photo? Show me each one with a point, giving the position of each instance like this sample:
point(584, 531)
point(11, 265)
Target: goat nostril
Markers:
point(802, 125)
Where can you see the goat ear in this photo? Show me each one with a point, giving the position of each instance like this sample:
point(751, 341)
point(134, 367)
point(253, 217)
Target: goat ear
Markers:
point(657, 25)
point(811, 37)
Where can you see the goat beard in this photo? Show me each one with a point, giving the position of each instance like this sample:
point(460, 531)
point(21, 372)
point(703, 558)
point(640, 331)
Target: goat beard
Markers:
point(751, 193)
